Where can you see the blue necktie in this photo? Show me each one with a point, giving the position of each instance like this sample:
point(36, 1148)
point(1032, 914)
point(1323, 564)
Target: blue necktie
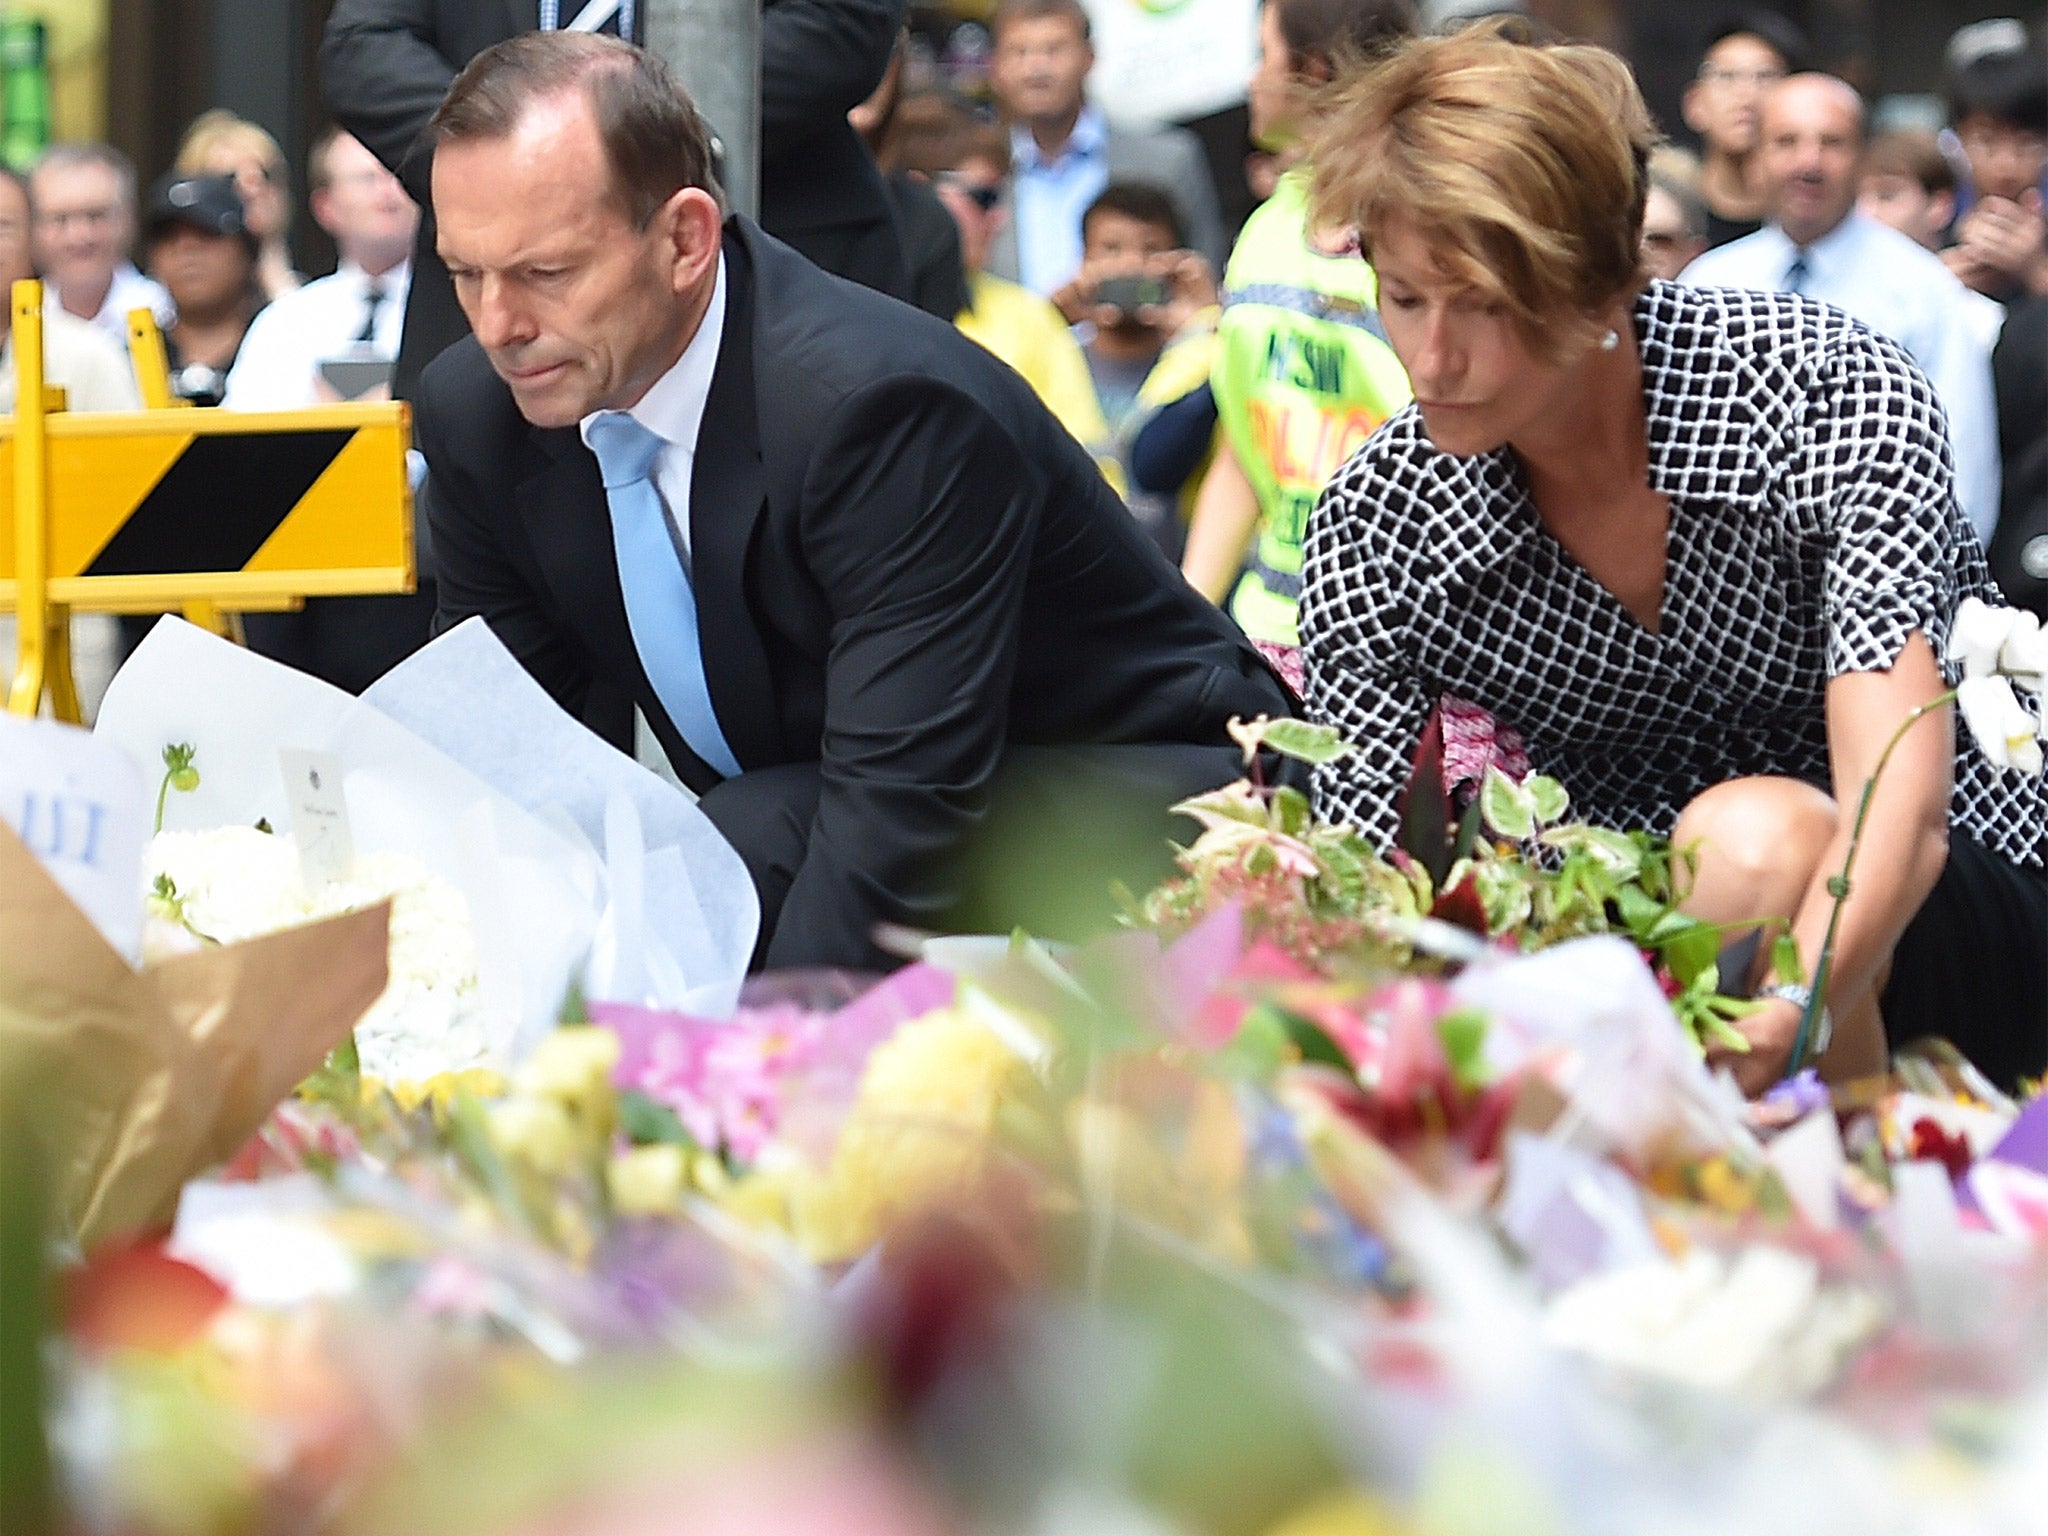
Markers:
point(1795, 275)
point(661, 609)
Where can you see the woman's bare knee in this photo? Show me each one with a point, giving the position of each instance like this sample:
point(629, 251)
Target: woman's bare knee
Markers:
point(1756, 843)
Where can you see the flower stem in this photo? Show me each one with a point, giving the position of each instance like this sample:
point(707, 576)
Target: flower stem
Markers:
point(1838, 885)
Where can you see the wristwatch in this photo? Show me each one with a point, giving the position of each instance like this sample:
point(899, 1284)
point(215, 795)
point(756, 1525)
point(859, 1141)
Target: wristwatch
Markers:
point(1800, 996)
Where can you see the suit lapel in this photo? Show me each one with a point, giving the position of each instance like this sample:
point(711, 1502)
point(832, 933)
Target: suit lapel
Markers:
point(561, 500)
point(727, 490)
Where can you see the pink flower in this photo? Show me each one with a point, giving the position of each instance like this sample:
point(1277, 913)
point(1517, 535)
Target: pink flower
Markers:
point(1475, 741)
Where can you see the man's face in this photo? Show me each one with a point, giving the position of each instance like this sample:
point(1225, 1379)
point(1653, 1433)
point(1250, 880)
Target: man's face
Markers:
point(1807, 158)
point(1722, 103)
point(83, 229)
point(973, 194)
point(1117, 245)
point(364, 207)
point(1906, 206)
point(16, 262)
point(1668, 246)
point(1039, 67)
point(2004, 160)
point(202, 272)
point(577, 309)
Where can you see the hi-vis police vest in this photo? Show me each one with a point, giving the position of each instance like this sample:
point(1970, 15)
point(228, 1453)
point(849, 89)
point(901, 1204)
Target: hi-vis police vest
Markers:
point(1303, 375)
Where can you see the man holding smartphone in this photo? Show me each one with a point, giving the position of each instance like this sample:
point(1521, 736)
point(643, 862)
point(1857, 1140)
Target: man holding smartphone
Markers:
point(1136, 290)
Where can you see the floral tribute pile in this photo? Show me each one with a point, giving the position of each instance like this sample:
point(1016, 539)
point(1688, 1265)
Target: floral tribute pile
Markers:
point(1338, 1193)
point(1182, 1231)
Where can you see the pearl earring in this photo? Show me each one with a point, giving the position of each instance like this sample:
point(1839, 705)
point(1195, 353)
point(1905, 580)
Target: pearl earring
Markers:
point(1610, 341)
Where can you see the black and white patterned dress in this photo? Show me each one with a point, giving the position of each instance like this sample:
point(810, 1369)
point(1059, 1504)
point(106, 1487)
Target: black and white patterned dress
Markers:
point(1813, 527)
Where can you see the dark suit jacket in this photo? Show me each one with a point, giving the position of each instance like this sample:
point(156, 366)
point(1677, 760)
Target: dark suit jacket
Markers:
point(903, 566)
point(386, 64)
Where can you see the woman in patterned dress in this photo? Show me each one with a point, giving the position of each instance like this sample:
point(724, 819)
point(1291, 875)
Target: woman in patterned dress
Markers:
point(1700, 547)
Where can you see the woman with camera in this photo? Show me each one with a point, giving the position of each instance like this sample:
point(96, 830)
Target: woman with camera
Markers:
point(1701, 546)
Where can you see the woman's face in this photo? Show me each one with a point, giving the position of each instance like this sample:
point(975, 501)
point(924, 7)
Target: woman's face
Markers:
point(1476, 382)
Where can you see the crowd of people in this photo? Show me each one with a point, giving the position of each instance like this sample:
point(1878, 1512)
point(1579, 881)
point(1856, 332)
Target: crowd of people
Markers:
point(1494, 397)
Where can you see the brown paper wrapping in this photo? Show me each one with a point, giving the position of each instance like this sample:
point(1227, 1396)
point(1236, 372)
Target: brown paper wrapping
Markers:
point(141, 1080)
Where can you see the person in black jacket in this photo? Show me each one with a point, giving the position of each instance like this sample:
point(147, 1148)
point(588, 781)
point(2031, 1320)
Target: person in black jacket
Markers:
point(385, 65)
point(875, 602)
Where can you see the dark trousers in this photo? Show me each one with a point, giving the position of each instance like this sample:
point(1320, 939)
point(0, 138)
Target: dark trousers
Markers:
point(1066, 826)
point(347, 641)
point(1972, 966)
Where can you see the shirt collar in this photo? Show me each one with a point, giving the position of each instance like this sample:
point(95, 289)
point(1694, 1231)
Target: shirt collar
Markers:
point(673, 407)
point(1827, 257)
point(1089, 135)
point(390, 282)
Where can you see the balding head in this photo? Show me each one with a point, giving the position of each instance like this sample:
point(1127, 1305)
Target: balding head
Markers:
point(1810, 147)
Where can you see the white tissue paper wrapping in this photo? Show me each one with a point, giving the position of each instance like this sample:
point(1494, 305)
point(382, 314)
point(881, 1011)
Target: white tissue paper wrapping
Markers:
point(682, 915)
point(538, 893)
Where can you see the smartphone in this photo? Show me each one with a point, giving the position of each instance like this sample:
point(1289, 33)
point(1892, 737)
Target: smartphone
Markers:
point(1129, 294)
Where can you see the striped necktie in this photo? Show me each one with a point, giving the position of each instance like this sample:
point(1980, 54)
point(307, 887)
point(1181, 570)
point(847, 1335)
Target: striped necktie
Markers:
point(661, 607)
point(1796, 274)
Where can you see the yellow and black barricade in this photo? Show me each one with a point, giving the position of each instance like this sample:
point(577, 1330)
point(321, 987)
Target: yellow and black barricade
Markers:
point(200, 510)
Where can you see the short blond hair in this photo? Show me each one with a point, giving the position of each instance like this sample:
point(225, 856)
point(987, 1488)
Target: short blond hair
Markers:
point(1522, 163)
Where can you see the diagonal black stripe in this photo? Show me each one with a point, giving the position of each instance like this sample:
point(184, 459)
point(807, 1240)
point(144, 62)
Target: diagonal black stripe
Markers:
point(218, 502)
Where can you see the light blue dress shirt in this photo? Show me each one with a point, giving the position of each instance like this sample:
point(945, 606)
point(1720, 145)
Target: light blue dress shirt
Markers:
point(1901, 290)
point(1050, 195)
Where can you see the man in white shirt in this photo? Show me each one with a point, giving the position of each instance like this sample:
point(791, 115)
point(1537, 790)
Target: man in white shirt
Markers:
point(1816, 243)
point(84, 196)
point(93, 370)
point(353, 315)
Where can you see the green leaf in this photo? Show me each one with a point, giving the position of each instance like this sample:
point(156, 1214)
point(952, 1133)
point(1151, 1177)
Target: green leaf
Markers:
point(1258, 1049)
point(1462, 1032)
point(1617, 853)
point(1313, 1041)
point(1306, 742)
point(1640, 912)
point(647, 1121)
point(1291, 810)
point(1505, 806)
point(1785, 963)
point(1692, 953)
point(1547, 798)
point(1344, 870)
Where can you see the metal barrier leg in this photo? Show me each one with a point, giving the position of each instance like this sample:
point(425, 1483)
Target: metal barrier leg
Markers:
point(63, 683)
point(31, 637)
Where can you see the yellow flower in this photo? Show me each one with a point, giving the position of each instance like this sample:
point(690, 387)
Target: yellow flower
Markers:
point(1340, 1514)
point(647, 1181)
point(918, 1135)
point(574, 1064)
point(535, 1133)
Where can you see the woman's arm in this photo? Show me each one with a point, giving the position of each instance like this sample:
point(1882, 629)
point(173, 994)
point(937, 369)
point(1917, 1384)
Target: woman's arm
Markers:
point(1905, 843)
point(1225, 514)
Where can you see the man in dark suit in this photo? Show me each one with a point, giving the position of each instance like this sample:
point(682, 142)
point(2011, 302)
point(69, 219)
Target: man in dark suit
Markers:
point(874, 601)
point(385, 64)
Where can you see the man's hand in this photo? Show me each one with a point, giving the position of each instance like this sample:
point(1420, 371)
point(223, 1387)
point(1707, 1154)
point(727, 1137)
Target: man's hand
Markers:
point(1190, 289)
point(1075, 298)
point(2004, 243)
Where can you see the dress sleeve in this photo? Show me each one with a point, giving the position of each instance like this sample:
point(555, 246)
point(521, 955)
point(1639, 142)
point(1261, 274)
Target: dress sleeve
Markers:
point(1358, 653)
point(1879, 471)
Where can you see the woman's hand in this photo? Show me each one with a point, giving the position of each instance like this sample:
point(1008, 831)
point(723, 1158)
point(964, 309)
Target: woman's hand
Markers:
point(1771, 1032)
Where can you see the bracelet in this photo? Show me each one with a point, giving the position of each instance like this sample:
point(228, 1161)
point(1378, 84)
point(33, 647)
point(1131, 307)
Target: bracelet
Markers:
point(1800, 996)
